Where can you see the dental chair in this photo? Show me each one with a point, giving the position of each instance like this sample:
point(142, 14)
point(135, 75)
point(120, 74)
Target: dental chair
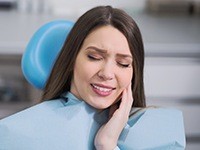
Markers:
point(42, 51)
point(147, 129)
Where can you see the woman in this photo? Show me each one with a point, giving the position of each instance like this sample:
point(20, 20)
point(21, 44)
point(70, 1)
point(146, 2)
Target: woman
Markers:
point(105, 49)
point(96, 80)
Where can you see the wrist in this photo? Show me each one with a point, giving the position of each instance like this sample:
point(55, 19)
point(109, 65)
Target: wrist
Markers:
point(105, 144)
point(105, 147)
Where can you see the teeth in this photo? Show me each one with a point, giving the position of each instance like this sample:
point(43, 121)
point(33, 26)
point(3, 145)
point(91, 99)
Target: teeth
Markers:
point(101, 89)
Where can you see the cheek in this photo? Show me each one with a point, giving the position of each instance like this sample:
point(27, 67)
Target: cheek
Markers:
point(125, 78)
point(84, 71)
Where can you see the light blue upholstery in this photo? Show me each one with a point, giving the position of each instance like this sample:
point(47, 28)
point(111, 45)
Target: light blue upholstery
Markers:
point(42, 51)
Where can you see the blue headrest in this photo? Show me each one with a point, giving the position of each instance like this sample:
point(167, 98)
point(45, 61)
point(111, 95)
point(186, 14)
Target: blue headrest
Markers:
point(42, 51)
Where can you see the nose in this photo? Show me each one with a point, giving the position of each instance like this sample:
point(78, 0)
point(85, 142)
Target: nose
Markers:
point(106, 72)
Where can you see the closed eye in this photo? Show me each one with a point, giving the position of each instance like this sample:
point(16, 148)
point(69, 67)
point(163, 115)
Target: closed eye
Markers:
point(123, 65)
point(91, 57)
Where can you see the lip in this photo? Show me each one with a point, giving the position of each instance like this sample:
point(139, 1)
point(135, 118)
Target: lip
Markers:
point(102, 90)
point(103, 86)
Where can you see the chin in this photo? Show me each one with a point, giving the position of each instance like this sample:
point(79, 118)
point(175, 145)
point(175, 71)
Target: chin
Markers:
point(101, 102)
point(101, 106)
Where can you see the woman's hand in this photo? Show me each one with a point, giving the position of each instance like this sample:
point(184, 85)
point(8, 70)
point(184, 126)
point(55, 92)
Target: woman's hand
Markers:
point(107, 136)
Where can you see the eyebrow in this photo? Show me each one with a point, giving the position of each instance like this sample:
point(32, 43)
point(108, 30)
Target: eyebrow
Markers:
point(105, 51)
point(97, 49)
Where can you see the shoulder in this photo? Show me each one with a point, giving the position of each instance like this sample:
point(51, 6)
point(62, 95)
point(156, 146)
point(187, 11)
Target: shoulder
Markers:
point(166, 120)
point(19, 130)
point(153, 113)
point(33, 112)
point(154, 127)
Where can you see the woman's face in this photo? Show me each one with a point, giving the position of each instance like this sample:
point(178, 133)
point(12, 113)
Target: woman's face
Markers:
point(103, 68)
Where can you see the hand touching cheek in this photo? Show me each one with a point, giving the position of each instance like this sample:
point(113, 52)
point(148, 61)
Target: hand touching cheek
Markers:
point(108, 134)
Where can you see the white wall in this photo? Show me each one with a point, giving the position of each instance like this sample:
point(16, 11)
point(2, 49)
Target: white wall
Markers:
point(62, 7)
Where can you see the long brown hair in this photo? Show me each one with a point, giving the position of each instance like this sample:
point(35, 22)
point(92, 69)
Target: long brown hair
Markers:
point(61, 75)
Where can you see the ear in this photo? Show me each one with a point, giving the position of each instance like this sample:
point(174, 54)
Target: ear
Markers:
point(42, 51)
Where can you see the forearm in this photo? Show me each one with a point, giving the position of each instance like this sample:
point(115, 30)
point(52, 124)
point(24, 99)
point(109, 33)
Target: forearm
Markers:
point(105, 143)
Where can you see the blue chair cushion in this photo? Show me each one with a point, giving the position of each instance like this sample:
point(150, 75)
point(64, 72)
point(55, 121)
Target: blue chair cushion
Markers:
point(42, 51)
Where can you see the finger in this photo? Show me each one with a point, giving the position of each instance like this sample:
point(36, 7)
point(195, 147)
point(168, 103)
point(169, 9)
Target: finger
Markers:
point(127, 100)
point(130, 96)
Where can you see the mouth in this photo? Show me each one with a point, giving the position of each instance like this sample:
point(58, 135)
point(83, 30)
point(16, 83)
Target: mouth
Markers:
point(102, 90)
